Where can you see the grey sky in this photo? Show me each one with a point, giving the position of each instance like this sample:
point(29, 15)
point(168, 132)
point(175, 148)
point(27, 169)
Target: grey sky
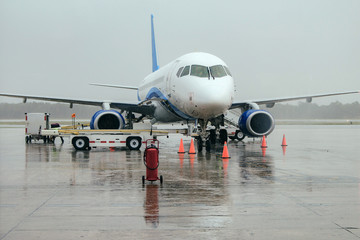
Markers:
point(273, 48)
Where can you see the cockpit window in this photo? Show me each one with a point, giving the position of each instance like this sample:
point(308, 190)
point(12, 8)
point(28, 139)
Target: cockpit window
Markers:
point(227, 71)
point(217, 71)
point(185, 71)
point(199, 71)
point(179, 71)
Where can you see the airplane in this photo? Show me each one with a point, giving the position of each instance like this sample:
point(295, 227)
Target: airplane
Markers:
point(194, 88)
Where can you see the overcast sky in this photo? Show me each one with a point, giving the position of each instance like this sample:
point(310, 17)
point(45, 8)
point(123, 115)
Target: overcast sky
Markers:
point(273, 48)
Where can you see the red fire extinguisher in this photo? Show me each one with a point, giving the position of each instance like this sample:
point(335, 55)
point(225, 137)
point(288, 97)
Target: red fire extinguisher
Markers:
point(151, 161)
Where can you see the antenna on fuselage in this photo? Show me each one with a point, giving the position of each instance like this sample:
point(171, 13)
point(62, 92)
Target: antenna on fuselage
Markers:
point(155, 65)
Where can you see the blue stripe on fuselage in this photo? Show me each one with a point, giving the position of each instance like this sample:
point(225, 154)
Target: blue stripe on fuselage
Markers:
point(138, 96)
point(156, 93)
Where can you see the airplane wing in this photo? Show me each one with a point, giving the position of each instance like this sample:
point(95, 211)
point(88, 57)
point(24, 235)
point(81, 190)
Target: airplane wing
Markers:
point(133, 107)
point(271, 102)
point(114, 86)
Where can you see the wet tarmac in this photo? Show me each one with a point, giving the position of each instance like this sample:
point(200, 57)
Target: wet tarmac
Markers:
point(310, 190)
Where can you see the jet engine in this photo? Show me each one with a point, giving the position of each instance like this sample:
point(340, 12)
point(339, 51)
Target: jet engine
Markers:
point(107, 119)
point(256, 123)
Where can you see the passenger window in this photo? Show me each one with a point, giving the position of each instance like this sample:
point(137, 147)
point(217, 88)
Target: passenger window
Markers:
point(179, 71)
point(227, 71)
point(185, 71)
point(217, 71)
point(199, 71)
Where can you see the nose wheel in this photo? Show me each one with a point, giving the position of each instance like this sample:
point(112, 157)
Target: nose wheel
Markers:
point(201, 145)
point(207, 139)
point(203, 139)
point(208, 146)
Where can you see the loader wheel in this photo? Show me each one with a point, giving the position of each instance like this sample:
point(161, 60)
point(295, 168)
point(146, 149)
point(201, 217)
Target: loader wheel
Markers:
point(80, 143)
point(133, 143)
point(239, 135)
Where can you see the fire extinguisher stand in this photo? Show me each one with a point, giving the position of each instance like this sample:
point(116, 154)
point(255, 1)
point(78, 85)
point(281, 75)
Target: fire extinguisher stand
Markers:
point(151, 161)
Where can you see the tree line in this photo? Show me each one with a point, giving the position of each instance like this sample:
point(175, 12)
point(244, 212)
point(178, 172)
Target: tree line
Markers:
point(335, 110)
point(56, 110)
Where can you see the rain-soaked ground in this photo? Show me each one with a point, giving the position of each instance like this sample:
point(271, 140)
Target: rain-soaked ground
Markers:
point(310, 190)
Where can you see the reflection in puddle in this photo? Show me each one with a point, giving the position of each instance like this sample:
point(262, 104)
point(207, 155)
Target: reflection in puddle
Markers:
point(254, 162)
point(284, 150)
point(151, 205)
point(193, 183)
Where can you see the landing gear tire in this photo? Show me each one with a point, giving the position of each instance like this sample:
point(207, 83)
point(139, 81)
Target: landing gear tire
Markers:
point(161, 179)
point(199, 144)
point(208, 146)
point(239, 135)
point(212, 136)
point(223, 136)
point(133, 143)
point(80, 143)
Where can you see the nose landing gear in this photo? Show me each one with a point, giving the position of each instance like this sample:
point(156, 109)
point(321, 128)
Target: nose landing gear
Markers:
point(208, 138)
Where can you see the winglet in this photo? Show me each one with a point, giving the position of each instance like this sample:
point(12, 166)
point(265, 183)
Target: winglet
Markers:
point(155, 65)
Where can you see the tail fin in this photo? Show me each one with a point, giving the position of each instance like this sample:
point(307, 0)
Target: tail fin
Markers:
point(155, 65)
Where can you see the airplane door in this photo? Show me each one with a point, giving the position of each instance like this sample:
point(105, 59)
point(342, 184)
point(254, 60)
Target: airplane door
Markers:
point(169, 81)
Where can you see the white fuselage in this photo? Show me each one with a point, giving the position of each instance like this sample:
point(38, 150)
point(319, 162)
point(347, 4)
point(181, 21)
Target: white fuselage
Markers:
point(203, 90)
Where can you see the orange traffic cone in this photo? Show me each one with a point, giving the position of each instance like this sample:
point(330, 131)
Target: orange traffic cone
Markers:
point(181, 148)
point(263, 143)
point(284, 141)
point(225, 153)
point(192, 147)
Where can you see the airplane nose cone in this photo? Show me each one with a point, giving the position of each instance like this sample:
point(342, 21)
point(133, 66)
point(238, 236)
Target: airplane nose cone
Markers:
point(213, 102)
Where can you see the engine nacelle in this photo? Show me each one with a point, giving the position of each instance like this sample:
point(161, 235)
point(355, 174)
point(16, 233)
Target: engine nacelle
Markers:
point(107, 119)
point(256, 123)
